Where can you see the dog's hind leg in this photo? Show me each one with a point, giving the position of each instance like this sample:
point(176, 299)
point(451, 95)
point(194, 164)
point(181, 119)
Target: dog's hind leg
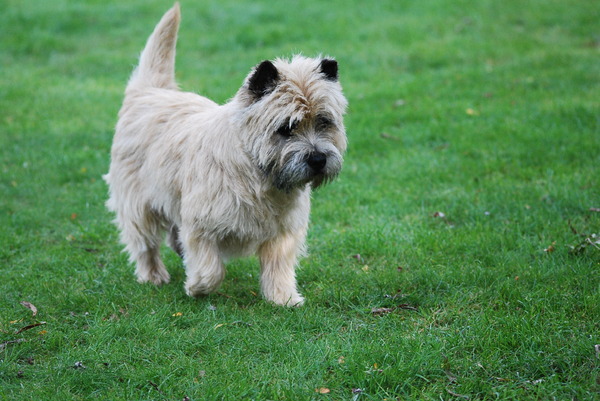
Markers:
point(142, 241)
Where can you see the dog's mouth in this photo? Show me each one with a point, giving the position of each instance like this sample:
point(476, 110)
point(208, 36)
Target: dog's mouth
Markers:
point(315, 180)
point(297, 171)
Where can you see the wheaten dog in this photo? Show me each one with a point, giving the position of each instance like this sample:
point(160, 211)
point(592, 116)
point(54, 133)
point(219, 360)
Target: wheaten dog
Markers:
point(223, 180)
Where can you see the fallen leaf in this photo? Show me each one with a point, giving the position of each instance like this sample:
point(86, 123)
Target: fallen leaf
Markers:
point(472, 112)
point(551, 248)
point(341, 360)
point(29, 327)
point(365, 268)
point(177, 314)
point(73, 216)
point(30, 306)
point(322, 390)
point(441, 215)
point(219, 325)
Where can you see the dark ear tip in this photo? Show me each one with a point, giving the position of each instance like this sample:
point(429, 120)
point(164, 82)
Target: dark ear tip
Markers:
point(329, 67)
point(263, 78)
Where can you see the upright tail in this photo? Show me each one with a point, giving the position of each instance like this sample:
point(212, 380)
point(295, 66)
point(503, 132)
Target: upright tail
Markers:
point(157, 62)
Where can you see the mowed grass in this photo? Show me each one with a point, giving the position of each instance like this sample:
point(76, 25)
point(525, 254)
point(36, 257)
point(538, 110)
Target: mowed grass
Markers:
point(453, 259)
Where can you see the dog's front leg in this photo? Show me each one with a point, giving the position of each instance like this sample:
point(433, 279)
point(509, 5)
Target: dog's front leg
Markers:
point(278, 259)
point(204, 268)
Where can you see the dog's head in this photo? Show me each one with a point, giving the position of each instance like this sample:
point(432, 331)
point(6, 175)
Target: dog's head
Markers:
point(292, 121)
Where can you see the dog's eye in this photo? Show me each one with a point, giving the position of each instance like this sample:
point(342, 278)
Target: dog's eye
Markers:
point(323, 123)
point(286, 129)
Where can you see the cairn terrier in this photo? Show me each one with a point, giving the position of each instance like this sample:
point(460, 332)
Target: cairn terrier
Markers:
point(225, 180)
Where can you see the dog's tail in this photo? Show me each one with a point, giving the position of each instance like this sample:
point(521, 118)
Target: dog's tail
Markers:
point(157, 62)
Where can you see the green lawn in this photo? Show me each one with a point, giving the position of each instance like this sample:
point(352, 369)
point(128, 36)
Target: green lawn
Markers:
point(454, 258)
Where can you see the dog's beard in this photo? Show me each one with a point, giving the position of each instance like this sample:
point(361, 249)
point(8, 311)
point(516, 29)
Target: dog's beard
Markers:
point(294, 172)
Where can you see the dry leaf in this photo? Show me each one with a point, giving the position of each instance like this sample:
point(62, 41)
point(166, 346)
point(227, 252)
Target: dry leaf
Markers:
point(472, 112)
point(322, 390)
point(30, 306)
point(341, 360)
point(29, 327)
point(177, 314)
point(551, 248)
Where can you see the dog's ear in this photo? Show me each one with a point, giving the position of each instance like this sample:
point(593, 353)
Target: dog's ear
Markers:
point(263, 80)
point(329, 68)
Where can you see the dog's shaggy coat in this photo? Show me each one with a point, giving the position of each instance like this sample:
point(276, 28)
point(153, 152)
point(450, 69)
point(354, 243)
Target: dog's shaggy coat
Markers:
point(223, 180)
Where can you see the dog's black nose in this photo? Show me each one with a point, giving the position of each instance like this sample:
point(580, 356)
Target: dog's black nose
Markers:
point(316, 161)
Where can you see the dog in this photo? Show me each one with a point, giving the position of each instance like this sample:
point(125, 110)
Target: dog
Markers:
point(223, 181)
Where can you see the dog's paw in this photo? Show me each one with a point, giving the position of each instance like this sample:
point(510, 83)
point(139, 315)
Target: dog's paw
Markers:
point(293, 300)
point(156, 277)
point(201, 288)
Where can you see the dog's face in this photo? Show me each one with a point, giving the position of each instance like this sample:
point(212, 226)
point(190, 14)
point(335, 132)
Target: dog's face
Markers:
point(292, 122)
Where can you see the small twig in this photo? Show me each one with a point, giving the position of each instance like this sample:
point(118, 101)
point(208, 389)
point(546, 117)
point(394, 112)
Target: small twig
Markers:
point(7, 343)
point(155, 386)
point(452, 393)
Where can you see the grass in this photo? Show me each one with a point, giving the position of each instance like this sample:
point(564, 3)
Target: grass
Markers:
point(485, 111)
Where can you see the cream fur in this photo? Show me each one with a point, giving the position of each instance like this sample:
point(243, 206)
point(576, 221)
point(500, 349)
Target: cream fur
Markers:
point(218, 178)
